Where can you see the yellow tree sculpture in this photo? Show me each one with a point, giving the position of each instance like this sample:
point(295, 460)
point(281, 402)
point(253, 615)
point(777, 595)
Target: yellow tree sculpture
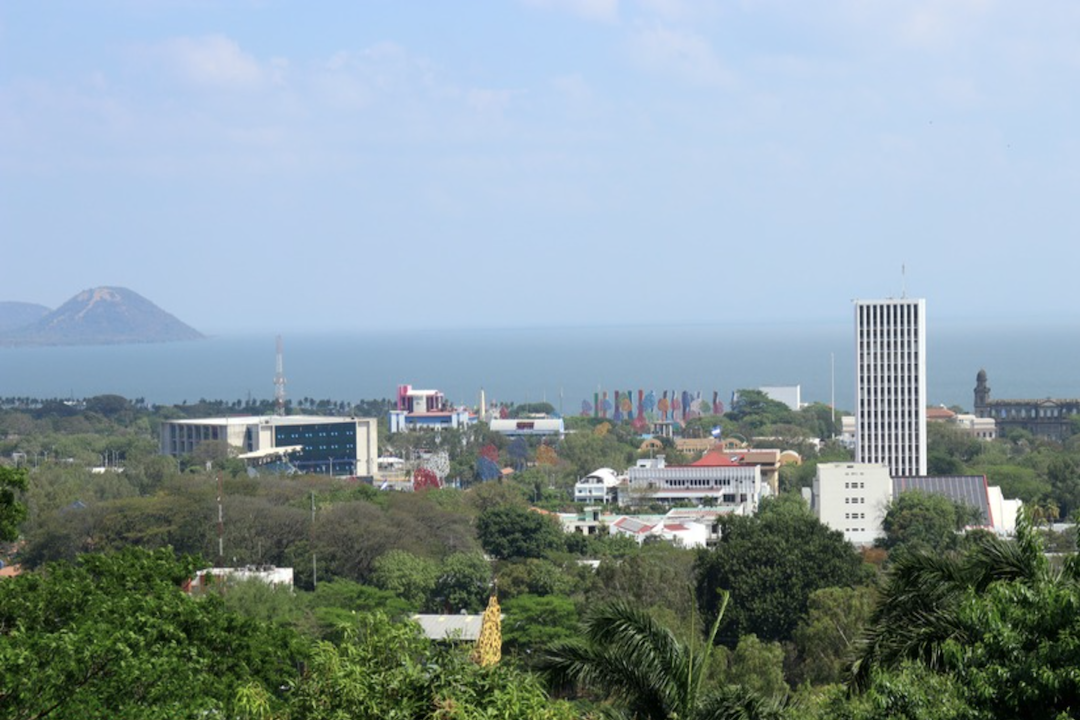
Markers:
point(488, 650)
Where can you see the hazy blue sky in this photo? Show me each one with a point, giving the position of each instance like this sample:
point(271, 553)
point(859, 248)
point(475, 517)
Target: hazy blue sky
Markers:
point(278, 166)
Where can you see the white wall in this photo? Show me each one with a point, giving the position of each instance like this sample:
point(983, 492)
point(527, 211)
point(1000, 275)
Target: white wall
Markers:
point(853, 498)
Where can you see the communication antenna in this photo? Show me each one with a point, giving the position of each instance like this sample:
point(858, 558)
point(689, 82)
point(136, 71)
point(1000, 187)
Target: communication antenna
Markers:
point(279, 380)
point(903, 281)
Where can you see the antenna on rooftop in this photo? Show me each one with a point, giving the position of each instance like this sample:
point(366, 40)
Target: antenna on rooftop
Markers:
point(903, 281)
point(279, 380)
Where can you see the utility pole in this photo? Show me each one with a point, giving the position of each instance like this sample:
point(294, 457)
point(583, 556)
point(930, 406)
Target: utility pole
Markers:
point(314, 566)
point(220, 522)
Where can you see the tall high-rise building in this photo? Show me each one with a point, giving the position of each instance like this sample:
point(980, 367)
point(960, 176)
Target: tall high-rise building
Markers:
point(890, 384)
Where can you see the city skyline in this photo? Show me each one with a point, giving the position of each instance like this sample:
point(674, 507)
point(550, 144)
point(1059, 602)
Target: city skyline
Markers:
point(530, 163)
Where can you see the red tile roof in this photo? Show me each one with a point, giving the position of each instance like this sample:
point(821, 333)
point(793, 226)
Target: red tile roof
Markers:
point(719, 458)
point(10, 571)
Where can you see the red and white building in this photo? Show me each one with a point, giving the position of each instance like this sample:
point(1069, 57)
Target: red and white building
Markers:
point(425, 410)
point(730, 481)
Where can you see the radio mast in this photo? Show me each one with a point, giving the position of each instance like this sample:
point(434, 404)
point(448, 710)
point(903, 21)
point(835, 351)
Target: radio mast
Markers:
point(279, 380)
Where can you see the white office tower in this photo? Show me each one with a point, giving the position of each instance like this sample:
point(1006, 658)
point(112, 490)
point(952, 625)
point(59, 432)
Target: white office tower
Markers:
point(890, 384)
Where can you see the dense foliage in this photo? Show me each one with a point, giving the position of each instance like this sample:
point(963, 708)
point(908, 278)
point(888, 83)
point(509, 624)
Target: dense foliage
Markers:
point(629, 659)
point(113, 636)
point(920, 521)
point(771, 563)
point(12, 511)
point(515, 532)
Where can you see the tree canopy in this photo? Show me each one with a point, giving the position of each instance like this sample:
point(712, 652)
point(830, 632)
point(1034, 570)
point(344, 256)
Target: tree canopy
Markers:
point(997, 620)
point(511, 531)
point(770, 564)
point(625, 655)
point(12, 511)
point(916, 520)
point(114, 636)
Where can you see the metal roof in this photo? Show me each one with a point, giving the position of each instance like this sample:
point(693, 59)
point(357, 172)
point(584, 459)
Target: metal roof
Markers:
point(266, 420)
point(450, 627)
point(970, 490)
point(633, 525)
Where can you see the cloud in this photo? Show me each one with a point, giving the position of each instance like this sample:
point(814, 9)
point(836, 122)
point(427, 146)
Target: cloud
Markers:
point(605, 10)
point(933, 25)
point(939, 24)
point(573, 88)
point(680, 10)
point(379, 74)
point(683, 54)
point(216, 61)
point(489, 102)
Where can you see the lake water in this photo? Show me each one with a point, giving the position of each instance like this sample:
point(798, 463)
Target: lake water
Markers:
point(563, 366)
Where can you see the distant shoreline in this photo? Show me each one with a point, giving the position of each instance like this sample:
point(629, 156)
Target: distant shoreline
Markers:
point(562, 366)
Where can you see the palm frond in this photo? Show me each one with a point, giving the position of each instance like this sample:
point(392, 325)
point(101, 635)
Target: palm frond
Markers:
point(914, 616)
point(733, 702)
point(627, 656)
point(994, 558)
point(917, 609)
point(609, 675)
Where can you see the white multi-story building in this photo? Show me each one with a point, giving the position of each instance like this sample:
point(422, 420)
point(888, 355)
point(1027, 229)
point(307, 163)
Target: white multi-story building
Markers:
point(890, 384)
point(315, 444)
point(425, 410)
point(852, 498)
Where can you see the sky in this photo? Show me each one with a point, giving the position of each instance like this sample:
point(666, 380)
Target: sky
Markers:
point(386, 164)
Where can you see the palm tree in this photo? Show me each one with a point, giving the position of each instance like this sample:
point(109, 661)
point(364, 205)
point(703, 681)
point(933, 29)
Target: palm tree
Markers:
point(1047, 511)
point(629, 658)
point(918, 603)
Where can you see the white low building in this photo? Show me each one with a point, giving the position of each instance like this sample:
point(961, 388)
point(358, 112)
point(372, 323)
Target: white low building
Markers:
point(1003, 512)
point(528, 427)
point(717, 479)
point(685, 527)
point(599, 486)
point(847, 432)
point(221, 578)
point(982, 428)
point(687, 535)
point(790, 395)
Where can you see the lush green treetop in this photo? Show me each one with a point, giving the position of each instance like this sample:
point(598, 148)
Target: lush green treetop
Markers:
point(511, 531)
point(916, 520)
point(114, 636)
point(770, 564)
point(12, 511)
point(629, 658)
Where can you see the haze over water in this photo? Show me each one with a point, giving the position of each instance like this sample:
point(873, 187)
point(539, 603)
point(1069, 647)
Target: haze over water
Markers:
point(563, 366)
